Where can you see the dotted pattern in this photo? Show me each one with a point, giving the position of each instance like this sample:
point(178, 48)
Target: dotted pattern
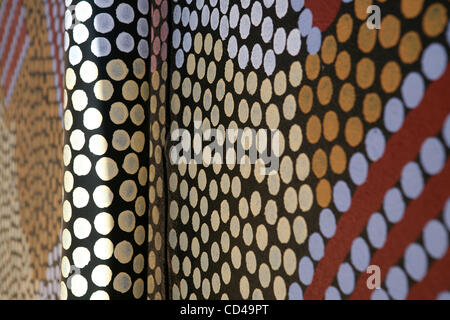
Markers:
point(106, 173)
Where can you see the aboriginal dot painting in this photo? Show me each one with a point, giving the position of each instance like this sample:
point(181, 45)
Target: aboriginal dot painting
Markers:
point(218, 149)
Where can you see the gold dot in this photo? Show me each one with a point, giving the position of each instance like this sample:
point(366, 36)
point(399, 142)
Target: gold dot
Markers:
point(330, 126)
point(117, 69)
point(252, 83)
point(122, 282)
point(338, 159)
point(410, 47)
point(313, 129)
point(329, 49)
point(372, 107)
point(139, 68)
point(139, 235)
point(343, 65)
point(312, 66)
point(121, 140)
point(366, 38)
point(138, 288)
point(128, 190)
point(361, 8)
point(123, 252)
point(365, 73)
point(266, 91)
point(131, 163)
point(344, 27)
point(391, 76)
point(347, 97)
point(130, 90)
point(138, 141)
point(435, 20)
point(280, 83)
point(389, 31)
point(325, 90)
point(305, 99)
point(198, 42)
point(411, 9)
point(354, 131)
point(319, 163)
point(323, 193)
point(118, 113)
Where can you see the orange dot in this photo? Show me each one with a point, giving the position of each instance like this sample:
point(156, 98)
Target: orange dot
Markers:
point(338, 159)
point(330, 126)
point(319, 163)
point(435, 20)
point(391, 76)
point(347, 97)
point(343, 65)
point(366, 38)
point(410, 47)
point(411, 9)
point(305, 99)
point(329, 49)
point(372, 107)
point(323, 193)
point(389, 31)
point(354, 131)
point(344, 28)
point(325, 90)
point(365, 73)
point(361, 8)
point(312, 66)
point(313, 129)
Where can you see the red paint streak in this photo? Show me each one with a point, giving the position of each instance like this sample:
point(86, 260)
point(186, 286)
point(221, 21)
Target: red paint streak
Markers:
point(419, 212)
point(18, 50)
point(436, 281)
point(403, 147)
point(324, 12)
point(9, 40)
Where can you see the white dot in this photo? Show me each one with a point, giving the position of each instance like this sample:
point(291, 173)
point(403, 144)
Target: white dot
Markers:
point(125, 13)
point(80, 33)
point(269, 62)
point(83, 11)
point(412, 180)
point(432, 156)
point(294, 42)
point(346, 278)
point(397, 283)
point(435, 238)
point(416, 261)
point(257, 56)
point(377, 230)
point(267, 29)
point(244, 26)
point(279, 41)
point(100, 47)
point(103, 23)
point(125, 42)
point(281, 7)
point(75, 55)
point(256, 14)
point(82, 228)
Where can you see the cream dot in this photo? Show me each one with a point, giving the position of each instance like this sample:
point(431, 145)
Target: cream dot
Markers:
point(65, 267)
point(244, 287)
point(80, 197)
point(302, 167)
point(79, 100)
point(295, 138)
point(92, 119)
point(236, 257)
point(67, 211)
point(305, 197)
point(68, 120)
point(283, 230)
point(139, 68)
point(117, 69)
point(103, 248)
point(68, 181)
point(127, 221)
point(300, 230)
point(77, 140)
point(296, 74)
point(79, 285)
point(104, 223)
point(81, 165)
point(88, 71)
point(103, 196)
point(66, 239)
point(122, 282)
point(98, 145)
point(101, 275)
point(264, 275)
point(67, 155)
point(279, 288)
point(290, 200)
point(275, 257)
point(128, 190)
point(261, 237)
point(100, 295)
point(118, 113)
point(63, 291)
point(81, 257)
point(71, 78)
point(82, 228)
point(271, 212)
point(123, 252)
point(106, 169)
point(103, 90)
point(289, 261)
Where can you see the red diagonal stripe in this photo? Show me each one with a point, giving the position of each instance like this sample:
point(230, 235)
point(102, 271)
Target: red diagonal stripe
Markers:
point(436, 281)
point(4, 19)
point(419, 212)
point(403, 147)
point(16, 57)
point(9, 40)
